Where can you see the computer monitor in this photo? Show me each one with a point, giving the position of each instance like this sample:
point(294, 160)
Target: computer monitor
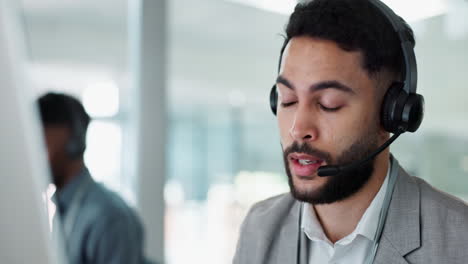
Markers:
point(24, 228)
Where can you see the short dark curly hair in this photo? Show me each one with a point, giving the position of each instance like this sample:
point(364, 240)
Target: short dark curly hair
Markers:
point(65, 110)
point(58, 109)
point(355, 25)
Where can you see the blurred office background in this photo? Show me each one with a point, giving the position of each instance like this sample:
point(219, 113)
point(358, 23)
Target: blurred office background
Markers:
point(200, 127)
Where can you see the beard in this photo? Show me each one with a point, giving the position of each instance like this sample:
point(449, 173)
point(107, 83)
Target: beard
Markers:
point(340, 186)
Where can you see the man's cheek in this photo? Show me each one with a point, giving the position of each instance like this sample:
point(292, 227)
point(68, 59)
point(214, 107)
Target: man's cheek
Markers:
point(285, 141)
point(284, 129)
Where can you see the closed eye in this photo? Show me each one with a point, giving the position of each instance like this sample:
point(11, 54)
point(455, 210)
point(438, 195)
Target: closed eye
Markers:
point(327, 109)
point(287, 104)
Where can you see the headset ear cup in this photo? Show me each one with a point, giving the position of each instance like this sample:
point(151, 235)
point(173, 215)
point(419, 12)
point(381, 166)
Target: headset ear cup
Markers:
point(75, 148)
point(413, 112)
point(273, 99)
point(72, 149)
point(389, 105)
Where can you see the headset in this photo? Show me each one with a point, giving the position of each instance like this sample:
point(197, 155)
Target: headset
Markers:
point(402, 109)
point(76, 145)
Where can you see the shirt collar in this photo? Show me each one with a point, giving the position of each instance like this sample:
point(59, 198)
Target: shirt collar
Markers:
point(65, 196)
point(366, 227)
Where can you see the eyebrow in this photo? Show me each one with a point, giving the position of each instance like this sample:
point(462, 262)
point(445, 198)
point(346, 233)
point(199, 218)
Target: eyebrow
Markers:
point(329, 84)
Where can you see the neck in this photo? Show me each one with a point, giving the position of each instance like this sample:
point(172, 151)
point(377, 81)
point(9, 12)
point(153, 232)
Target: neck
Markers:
point(71, 172)
point(339, 219)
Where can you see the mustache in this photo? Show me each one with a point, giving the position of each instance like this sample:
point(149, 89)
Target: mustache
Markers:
point(306, 149)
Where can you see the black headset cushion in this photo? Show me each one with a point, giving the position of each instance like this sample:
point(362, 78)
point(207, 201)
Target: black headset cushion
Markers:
point(390, 104)
point(413, 112)
point(273, 99)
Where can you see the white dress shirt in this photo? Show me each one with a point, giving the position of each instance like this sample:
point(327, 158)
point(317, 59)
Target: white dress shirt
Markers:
point(355, 247)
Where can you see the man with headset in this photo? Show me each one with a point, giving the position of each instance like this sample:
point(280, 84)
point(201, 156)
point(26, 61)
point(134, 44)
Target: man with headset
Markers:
point(347, 79)
point(98, 226)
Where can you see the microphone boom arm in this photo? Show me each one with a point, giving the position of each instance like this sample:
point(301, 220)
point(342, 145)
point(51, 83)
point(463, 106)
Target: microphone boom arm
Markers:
point(331, 170)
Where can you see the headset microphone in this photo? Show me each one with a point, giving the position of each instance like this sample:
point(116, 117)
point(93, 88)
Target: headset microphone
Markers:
point(332, 170)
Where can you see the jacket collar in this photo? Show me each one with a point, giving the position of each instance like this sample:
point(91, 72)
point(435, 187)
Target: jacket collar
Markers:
point(292, 230)
point(64, 196)
point(401, 234)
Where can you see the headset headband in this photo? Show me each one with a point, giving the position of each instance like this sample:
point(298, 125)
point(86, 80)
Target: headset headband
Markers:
point(411, 72)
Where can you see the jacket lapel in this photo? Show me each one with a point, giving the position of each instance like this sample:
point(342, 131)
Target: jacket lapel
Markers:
point(287, 243)
point(401, 233)
point(387, 253)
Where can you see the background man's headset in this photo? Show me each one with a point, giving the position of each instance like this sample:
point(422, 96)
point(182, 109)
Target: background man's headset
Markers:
point(76, 145)
point(402, 109)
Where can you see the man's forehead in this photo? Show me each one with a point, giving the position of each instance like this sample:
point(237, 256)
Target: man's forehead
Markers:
point(321, 52)
point(56, 128)
point(310, 60)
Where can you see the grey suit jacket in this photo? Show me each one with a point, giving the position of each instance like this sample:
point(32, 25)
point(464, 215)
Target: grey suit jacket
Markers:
point(424, 225)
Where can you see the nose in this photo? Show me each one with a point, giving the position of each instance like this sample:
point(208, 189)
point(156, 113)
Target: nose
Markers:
point(304, 127)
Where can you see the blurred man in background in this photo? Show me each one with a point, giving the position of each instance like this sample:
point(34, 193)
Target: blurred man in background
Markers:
point(98, 226)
